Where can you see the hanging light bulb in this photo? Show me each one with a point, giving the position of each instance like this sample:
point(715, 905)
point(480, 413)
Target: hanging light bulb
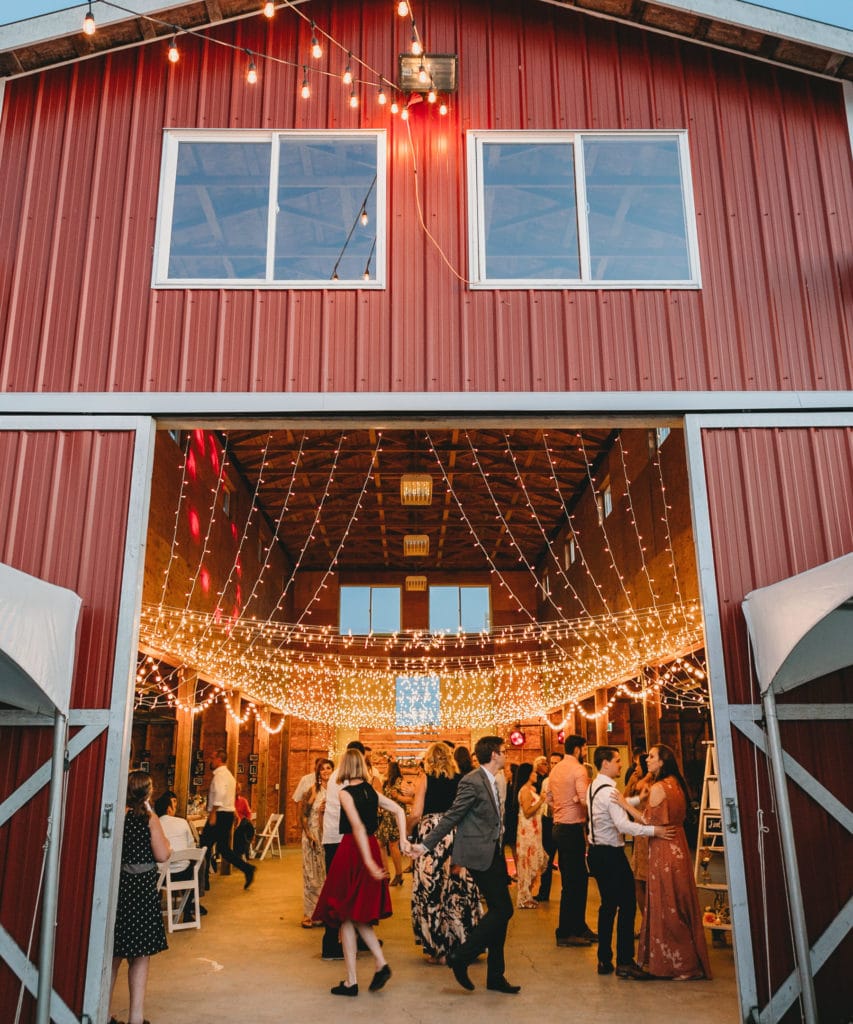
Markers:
point(404, 113)
point(366, 274)
point(364, 217)
point(316, 49)
point(417, 49)
point(306, 88)
point(89, 21)
point(252, 73)
point(381, 98)
point(348, 72)
point(423, 77)
point(432, 96)
point(174, 55)
point(402, 8)
point(353, 99)
point(269, 9)
point(395, 107)
point(442, 109)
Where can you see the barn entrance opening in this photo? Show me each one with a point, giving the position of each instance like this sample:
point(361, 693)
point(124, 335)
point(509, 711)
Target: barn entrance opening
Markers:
point(406, 583)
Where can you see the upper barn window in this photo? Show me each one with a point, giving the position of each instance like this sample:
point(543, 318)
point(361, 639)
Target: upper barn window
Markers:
point(581, 210)
point(248, 209)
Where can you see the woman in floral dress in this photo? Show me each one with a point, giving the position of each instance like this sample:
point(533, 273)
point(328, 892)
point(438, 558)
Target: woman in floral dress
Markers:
point(388, 835)
point(313, 857)
point(445, 900)
point(530, 856)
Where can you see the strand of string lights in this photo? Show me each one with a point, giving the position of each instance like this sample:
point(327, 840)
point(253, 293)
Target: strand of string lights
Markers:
point(665, 518)
point(174, 543)
point(602, 517)
point(519, 477)
point(377, 79)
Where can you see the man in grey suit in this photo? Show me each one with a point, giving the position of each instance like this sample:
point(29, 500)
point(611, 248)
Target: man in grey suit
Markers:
point(476, 814)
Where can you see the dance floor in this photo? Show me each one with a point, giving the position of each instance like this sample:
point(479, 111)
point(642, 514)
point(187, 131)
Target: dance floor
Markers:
point(252, 961)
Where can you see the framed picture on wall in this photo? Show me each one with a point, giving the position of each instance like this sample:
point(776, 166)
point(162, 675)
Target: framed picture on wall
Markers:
point(144, 766)
point(254, 758)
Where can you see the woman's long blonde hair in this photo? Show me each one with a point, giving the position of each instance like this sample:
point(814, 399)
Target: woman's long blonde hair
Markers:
point(438, 761)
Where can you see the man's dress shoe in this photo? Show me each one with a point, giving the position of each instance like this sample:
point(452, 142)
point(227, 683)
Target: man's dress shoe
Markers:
point(502, 985)
point(460, 971)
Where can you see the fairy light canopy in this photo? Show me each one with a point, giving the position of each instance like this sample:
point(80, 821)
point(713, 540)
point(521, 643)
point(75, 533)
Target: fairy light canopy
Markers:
point(505, 504)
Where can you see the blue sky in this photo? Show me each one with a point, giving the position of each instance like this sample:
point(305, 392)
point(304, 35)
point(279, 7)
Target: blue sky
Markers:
point(833, 12)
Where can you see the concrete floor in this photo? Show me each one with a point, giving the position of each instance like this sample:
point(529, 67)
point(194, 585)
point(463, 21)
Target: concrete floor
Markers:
point(252, 961)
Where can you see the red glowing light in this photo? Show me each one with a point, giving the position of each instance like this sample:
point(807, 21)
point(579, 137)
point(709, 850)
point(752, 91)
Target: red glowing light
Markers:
point(238, 596)
point(192, 469)
point(204, 580)
point(198, 435)
point(561, 736)
point(234, 535)
point(517, 737)
point(214, 457)
point(195, 524)
point(239, 568)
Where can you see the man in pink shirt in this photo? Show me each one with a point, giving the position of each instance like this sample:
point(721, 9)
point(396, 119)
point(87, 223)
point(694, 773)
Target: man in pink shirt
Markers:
point(567, 788)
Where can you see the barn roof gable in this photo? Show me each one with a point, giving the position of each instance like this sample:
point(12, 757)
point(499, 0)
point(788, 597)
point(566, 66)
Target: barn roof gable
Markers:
point(37, 43)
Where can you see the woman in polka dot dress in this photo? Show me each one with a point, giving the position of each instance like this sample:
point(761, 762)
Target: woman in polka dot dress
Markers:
point(139, 931)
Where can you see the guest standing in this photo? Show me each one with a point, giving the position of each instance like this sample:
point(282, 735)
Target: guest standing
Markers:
point(139, 932)
point(445, 900)
point(388, 834)
point(221, 798)
point(355, 894)
point(530, 856)
point(567, 796)
point(313, 858)
point(672, 939)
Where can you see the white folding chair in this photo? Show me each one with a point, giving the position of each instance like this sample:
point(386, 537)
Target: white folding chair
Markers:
point(267, 841)
point(177, 891)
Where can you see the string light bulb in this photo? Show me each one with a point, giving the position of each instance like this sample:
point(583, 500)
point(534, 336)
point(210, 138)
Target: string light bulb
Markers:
point(252, 72)
point(417, 49)
point(348, 71)
point(442, 109)
point(89, 21)
point(432, 96)
point(316, 49)
point(269, 9)
point(404, 113)
point(306, 88)
point(174, 55)
point(364, 217)
point(395, 107)
point(353, 99)
point(423, 77)
point(403, 8)
point(381, 98)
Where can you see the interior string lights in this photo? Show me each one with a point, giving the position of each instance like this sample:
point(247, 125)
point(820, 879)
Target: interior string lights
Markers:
point(173, 548)
point(268, 9)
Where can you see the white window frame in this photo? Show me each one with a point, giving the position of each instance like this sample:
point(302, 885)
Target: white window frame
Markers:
point(172, 138)
point(460, 587)
point(476, 212)
point(371, 587)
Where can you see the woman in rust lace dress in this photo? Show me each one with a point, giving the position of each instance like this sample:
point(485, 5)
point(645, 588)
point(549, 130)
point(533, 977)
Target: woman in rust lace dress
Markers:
point(672, 938)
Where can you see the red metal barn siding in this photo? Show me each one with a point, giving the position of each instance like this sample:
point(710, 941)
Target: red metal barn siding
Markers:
point(63, 519)
point(781, 502)
point(80, 150)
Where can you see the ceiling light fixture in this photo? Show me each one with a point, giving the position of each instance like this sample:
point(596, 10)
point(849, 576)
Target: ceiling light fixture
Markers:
point(415, 545)
point(416, 489)
point(416, 583)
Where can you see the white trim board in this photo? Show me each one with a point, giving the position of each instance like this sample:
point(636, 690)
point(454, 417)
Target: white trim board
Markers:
point(465, 404)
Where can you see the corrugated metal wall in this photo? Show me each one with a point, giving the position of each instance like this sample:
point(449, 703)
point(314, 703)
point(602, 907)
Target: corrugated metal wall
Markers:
point(781, 502)
point(63, 519)
point(79, 170)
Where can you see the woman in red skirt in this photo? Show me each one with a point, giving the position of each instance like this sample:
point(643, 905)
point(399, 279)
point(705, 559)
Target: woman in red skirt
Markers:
point(355, 895)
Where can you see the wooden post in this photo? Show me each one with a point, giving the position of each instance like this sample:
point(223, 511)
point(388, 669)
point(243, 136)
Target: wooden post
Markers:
point(601, 736)
point(651, 715)
point(259, 800)
point(184, 738)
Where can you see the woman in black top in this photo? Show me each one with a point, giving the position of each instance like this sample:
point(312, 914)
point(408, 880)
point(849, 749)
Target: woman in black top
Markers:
point(355, 894)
